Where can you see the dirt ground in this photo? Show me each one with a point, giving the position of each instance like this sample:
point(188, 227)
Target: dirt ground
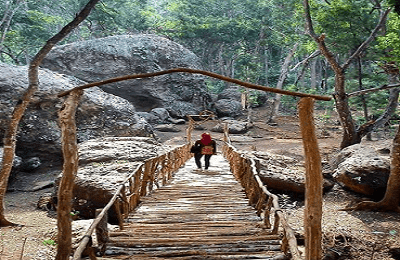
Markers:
point(347, 235)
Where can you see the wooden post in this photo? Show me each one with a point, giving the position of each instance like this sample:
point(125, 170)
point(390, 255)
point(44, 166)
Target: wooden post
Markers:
point(313, 193)
point(117, 207)
point(102, 232)
point(190, 129)
point(70, 169)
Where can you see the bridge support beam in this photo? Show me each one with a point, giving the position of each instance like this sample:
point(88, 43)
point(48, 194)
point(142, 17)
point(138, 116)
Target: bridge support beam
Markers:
point(313, 194)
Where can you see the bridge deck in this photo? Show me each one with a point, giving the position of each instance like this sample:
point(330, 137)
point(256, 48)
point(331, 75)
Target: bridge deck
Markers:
point(198, 215)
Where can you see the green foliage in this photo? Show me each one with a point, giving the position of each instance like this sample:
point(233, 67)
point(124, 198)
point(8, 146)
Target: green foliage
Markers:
point(245, 39)
point(49, 242)
point(346, 23)
point(214, 86)
point(396, 5)
point(390, 42)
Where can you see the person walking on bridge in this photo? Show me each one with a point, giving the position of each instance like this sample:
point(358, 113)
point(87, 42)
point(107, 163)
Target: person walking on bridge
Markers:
point(205, 146)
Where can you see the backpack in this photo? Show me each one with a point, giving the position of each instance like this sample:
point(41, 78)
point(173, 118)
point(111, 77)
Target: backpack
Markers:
point(208, 149)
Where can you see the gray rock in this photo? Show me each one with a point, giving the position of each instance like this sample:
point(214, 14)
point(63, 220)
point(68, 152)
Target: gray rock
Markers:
point(31, 164)
point(41, 185)
point(166, 128)
point(256, 98)
point(283, 173)
point(99, 113)
point(150, 117)
point(120, 55)
point(232, 92)
point(103, 164)
point(234, 127)
point(161, 113)
point(364, 168)
point(17, 160)
point(228, 107)
point(180, 109)
point(177, 121)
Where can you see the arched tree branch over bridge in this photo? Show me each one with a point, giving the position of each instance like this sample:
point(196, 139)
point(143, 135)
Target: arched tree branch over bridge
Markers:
point(313, 212)
point(202, 72)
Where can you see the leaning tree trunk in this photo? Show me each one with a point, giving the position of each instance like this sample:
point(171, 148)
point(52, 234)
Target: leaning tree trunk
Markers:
point(350, 135)
point(19, 110)
point(279, 85)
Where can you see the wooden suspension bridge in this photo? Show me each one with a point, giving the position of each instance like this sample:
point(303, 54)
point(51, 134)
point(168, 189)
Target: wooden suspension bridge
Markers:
point(221, 213)
point(158, 170)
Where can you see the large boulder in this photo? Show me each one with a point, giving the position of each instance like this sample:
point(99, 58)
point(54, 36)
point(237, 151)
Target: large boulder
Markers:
point(256, 98)
point(364, 168)
point(283, 173)
point(228, 108)
point(114, 56)
point(103, 164)
point(99, 113)
point(234, 126)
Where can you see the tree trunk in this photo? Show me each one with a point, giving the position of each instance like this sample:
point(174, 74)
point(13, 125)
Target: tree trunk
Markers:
point(350, 134)
point(19, 110)
point(391, 200)
point(313, 74)
point(363, 100)
point(8, 15)
point(392, 195)
point(391, 108)
point(282, 78)
point(266, 65)
point(70, 169)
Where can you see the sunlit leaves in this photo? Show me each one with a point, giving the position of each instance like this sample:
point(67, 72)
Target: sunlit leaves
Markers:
point(390, 43)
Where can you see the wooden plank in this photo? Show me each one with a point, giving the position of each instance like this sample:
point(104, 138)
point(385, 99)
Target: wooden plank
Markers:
point(194, 217)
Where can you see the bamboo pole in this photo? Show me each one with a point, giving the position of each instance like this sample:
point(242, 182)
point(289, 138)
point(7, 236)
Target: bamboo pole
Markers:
point(313, 193)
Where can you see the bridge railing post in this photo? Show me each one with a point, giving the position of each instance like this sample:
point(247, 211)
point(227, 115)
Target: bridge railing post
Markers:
point(246, 171)
point(314, 178)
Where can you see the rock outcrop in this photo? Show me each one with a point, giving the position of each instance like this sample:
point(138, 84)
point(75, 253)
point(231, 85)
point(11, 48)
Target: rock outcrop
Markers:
point(103, 163)
point(234, 126)
point(364, 168)
point(99, 113)
point(283, 173)
point(229, 101)
point(100, 59)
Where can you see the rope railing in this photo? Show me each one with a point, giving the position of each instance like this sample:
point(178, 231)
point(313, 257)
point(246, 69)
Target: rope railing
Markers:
point(246, 171)
point(152, 172)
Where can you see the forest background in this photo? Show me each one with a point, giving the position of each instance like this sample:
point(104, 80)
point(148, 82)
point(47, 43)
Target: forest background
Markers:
point(243, 39)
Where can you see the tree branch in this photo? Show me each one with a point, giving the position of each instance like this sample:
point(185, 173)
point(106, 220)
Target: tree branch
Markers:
point(371, 37)
point(366, 91)
point(306, 60)
point(195, 71)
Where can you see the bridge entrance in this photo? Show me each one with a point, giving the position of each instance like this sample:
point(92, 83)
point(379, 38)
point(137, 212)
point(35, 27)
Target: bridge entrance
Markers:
point(198, 215)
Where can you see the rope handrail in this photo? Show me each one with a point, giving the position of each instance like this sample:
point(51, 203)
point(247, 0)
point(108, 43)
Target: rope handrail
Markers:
point(246, 170)
point(139, 182)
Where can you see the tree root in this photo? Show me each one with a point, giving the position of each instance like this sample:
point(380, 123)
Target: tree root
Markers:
point(6, 223)
point(374, 206)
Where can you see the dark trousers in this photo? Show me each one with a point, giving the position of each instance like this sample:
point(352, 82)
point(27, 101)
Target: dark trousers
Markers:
point(197, 158)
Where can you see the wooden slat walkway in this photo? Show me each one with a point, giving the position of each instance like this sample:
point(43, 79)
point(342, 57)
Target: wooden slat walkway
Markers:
point(198, 215)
